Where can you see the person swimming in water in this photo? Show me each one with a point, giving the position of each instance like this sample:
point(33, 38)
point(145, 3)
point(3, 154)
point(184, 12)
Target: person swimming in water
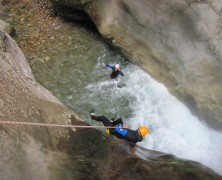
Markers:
point(119, 130)
point(115, 70)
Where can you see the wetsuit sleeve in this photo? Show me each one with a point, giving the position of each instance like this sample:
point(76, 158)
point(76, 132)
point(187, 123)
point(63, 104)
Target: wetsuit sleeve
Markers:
point(109, 66)
point(121, 73)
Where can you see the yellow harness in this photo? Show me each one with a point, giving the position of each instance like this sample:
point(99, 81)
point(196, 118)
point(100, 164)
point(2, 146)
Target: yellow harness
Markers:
point(107, 131)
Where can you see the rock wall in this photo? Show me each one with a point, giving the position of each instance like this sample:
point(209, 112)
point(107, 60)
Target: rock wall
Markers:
point(28, 152)
point(178, 42)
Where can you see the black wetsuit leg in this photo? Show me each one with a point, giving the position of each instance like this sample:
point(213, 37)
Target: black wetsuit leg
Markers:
point(103, 119)
point(106, 123)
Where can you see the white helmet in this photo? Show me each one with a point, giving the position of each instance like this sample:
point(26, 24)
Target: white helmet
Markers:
point(117, 66)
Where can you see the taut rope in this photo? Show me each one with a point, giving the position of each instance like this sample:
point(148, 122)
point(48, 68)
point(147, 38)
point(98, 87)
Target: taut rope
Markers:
point(51, 125)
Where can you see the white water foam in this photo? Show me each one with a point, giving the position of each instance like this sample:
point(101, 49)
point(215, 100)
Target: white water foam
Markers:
point(173, 129)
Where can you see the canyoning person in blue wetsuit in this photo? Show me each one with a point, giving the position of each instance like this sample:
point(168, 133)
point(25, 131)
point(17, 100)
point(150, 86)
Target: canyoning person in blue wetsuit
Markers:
point(119, 130)
point(115, 70)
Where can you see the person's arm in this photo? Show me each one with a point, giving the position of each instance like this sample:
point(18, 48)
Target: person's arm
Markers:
point(121, 73)
point(109, 66)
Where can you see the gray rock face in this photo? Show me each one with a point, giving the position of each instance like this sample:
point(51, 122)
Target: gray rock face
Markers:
point(178, 42)
point(27, 152)
point(4, 26)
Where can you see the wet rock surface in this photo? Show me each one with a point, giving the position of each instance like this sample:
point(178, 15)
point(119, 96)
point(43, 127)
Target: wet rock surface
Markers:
point(25, 149)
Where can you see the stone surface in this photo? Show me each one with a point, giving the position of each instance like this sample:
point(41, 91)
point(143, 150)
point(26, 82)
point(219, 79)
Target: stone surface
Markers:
point(28, 152)
point(6, 27)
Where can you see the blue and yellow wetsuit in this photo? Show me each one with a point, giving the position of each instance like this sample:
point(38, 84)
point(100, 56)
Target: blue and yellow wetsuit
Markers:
point(119, 131)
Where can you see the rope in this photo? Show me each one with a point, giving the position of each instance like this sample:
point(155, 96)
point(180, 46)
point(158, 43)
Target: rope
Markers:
point(51, 125)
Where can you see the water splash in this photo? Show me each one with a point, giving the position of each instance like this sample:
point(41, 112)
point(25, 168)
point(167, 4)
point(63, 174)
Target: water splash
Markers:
point(173, 129)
